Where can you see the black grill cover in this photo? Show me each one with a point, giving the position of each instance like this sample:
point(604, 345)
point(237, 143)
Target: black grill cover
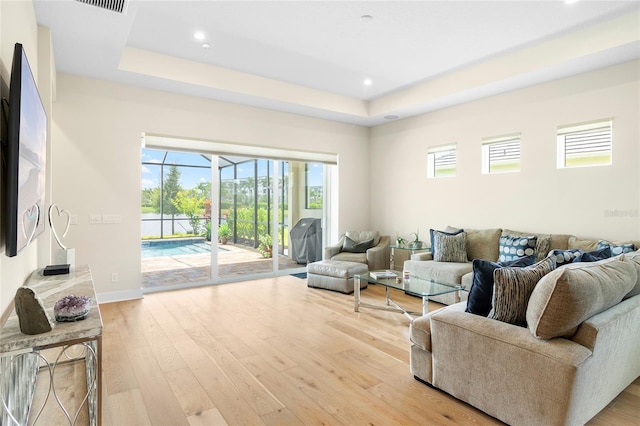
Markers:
point(305, 240)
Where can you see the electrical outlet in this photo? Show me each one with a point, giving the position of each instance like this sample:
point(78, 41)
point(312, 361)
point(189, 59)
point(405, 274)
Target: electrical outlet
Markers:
point(114, 277)
point(95, 218)
point(73, 219)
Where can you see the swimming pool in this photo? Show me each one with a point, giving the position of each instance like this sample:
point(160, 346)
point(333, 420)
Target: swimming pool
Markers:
point(181, 247)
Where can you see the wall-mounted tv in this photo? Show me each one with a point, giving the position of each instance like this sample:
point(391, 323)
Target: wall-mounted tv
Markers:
point(25, 158)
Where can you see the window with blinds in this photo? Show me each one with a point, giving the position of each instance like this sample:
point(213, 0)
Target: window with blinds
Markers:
point(585, 144)
point(441, 161)
point(501, 154)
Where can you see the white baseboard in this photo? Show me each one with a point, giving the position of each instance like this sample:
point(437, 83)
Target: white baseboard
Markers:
point(119, 296)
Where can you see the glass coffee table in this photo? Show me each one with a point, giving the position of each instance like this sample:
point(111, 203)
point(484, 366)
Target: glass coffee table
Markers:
point(415, 286)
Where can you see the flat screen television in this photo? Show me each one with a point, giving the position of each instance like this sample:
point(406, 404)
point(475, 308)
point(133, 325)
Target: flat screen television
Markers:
point(25, 158)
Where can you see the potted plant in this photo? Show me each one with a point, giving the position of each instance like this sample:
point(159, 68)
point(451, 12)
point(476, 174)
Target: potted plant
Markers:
point(207, 230)
point(266, 245)
point(224, 233)
point(416, 244)
point(399, 240)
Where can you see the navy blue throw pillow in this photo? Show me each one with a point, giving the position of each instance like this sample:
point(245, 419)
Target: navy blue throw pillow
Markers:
point(481, 291)
point(594, 256)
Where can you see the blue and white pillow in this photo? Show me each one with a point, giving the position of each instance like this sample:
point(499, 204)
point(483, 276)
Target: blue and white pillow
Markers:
point(616, 249)
point(512, 247)
point(564, 257)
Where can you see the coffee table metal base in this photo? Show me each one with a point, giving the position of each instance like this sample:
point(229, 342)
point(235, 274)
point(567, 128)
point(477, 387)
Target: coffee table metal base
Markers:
point(391, 305)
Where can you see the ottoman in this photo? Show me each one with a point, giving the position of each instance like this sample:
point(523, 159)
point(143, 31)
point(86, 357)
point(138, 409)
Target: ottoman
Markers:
point(336, 275)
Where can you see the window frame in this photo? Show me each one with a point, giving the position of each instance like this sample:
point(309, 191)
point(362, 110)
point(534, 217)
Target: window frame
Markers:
point(496, 142)
point(582, 130)
point(435, 171)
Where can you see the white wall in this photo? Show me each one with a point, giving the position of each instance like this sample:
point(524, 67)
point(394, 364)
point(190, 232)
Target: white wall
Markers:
point(96, 134)
point(18, 25)
point(541, 198)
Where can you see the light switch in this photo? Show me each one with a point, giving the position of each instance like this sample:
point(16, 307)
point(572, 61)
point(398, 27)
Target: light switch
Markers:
point(111, 218)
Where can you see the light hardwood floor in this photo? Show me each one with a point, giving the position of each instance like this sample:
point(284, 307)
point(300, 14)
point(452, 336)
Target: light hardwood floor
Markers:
point(275, 352)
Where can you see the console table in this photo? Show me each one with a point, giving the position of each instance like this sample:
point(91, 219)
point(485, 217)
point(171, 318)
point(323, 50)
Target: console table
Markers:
point(21, 357)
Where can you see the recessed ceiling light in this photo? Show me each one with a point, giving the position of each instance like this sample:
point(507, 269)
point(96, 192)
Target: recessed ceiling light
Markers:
point(391, 117)
point(366, 18)
point(198, 35)
point(206, 46)
point(367, 82)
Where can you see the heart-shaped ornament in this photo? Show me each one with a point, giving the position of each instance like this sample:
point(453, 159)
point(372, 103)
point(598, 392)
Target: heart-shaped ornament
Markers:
point(30, 222)
point(57, 216)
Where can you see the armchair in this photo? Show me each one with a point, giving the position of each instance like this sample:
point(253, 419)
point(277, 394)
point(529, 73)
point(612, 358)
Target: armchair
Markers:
point(355, 246)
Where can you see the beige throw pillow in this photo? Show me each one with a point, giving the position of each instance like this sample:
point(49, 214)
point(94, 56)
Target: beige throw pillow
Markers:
point(634, 259)
point(483, 244)
point(566, 297)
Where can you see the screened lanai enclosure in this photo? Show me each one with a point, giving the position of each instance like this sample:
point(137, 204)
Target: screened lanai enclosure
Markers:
point(251, 197)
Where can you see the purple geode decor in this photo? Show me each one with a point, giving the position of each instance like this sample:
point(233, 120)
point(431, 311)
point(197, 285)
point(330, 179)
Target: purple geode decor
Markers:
point(72, 308)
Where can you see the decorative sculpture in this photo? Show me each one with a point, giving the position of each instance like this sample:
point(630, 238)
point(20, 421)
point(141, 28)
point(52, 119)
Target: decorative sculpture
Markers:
point(32, 316)
point(53, 228)
point(64, 255)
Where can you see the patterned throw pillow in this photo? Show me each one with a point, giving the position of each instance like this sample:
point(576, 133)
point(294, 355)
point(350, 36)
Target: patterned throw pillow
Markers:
point(481, 291)
point(543, 244)
point(432, 231)
point(449, 248)
point(564, 257)
point(513, 247)
point(512, 289)
point(616, 249)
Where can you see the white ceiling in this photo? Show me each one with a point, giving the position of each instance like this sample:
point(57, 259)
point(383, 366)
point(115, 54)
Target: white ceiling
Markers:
point(311, 57)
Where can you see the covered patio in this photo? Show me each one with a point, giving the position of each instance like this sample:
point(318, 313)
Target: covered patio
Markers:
point(234, 262)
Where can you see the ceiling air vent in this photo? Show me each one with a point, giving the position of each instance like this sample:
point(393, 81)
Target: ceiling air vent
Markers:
point(118, 6)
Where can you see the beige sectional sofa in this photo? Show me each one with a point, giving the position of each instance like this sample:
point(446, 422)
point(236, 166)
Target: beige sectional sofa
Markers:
point(485, 244)
point(579, 349)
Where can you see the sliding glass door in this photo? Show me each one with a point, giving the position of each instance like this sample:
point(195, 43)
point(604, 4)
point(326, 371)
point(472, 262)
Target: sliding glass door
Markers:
point(208, 218)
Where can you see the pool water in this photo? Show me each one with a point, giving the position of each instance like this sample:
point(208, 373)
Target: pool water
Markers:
point(174, 248)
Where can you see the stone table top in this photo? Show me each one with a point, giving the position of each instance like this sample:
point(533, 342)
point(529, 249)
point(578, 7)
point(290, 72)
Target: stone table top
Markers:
point(50, 289)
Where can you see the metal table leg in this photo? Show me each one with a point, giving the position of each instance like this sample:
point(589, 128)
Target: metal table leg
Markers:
point(356, 294)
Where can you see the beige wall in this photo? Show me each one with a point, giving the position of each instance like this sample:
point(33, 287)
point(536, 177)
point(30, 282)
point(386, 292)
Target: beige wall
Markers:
point(95, 161)
point(18, 25)
point(541, 198)
point(96, 154)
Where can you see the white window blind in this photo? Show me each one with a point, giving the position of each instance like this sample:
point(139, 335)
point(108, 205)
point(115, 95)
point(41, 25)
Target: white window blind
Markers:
point(441, 161)
point(501, 154)
point(585, 144)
